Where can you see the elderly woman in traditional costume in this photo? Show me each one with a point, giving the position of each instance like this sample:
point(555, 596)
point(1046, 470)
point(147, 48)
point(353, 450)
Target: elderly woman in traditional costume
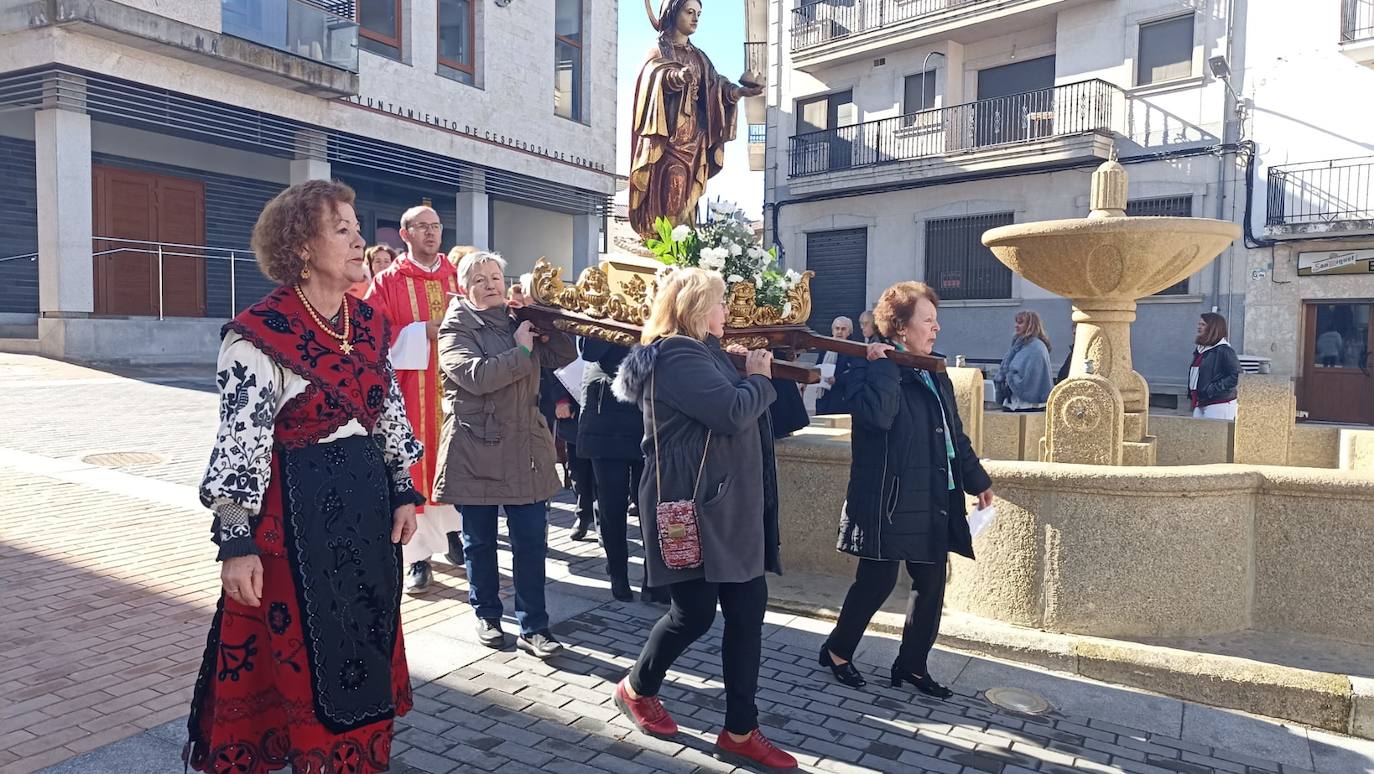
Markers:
point(309, 481)
point(684, 113)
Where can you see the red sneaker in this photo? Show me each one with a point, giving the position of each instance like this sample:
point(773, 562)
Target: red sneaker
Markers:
point(754, 751)
point(646, 713)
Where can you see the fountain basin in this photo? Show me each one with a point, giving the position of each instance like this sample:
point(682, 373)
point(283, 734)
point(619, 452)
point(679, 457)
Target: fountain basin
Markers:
point(1110, 259)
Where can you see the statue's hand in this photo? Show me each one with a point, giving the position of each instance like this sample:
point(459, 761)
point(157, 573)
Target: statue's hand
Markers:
point(749, 91)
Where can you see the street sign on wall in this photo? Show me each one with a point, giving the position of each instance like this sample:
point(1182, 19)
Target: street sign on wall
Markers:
point(1335, 262)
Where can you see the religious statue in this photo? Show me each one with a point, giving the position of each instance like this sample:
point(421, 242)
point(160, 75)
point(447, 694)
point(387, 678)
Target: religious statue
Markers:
point(684, 113)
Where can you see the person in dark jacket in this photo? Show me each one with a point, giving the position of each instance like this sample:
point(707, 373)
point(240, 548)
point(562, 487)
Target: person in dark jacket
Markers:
point(708, 440)
point(1215, 373)
point(831, 397)
point(561, 411)
point(609, 434)
point(910, 468)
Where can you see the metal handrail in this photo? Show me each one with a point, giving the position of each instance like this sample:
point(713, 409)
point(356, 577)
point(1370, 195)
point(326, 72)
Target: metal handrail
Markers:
point(1321, 192)
point(164, 250)
point(1357, 20)
point(812, 25)
point(1057, 111)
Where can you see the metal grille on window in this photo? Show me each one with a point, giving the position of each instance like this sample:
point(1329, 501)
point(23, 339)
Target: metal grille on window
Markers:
point(1164, 206)
point(958, 266)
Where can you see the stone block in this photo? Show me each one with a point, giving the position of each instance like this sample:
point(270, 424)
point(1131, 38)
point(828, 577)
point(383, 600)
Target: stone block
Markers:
point(968, 395)
point(1357, 451)
point(1264, 419)
point(1315, 446)
point(813, 475)
point(1002, 436)
point(1188, 441)
point(1084, 422)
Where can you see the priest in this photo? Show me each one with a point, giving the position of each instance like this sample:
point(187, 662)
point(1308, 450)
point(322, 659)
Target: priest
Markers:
point(414, 292)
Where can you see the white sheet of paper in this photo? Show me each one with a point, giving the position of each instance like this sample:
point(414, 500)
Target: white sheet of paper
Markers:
point(411, 350)
point(827, 371)
point(980, 519)
point(571, 377)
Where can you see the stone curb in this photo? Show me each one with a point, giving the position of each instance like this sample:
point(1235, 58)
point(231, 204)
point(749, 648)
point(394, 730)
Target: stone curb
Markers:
point(1333, 702)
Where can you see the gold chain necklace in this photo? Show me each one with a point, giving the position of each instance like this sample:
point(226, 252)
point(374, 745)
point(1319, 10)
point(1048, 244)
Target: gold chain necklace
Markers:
point(342, 337)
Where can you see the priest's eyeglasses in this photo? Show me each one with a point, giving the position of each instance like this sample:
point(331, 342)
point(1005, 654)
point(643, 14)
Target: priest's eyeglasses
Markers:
point(427, 227)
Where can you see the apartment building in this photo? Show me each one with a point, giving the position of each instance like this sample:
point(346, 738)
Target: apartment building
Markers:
point(139, 139)
point(894, 132)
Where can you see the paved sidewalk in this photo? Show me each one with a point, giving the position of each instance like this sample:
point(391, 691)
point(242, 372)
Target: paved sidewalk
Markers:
point(110, 582)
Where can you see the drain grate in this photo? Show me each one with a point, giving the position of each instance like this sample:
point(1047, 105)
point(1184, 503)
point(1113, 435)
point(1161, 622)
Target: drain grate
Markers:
point(124, 459)
point(1018, 700)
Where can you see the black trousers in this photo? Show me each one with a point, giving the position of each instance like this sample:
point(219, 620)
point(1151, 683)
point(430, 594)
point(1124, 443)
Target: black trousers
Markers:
point(584, 484)
point(616, 482)
point(688, 618)
point(873, 583)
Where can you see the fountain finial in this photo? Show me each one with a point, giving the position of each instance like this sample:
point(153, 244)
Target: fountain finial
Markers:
point(1108, 197)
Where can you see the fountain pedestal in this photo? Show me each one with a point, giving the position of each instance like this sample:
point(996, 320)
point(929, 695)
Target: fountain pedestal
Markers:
point(1103, 264)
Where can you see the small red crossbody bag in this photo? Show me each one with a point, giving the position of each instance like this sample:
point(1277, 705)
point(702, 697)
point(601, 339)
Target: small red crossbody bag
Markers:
point(679, 534)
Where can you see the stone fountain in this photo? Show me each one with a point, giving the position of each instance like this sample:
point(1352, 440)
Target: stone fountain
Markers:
point(1104, 263)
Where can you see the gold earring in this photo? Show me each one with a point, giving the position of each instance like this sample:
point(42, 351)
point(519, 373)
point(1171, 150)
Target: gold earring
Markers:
point(305, 272)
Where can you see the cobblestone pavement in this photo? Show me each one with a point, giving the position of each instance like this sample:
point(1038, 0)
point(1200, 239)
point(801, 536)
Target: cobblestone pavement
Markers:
point(109, 583)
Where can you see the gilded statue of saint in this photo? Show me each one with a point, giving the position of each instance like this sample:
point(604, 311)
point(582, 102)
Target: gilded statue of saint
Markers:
point(684, 113)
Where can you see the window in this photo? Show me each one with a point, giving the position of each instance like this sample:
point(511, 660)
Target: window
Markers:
point(958, 266)
point(457, 39)
point(379, 27)
point(816, 114)
point(919, 93)
point(567, 55)
point(1166, 50)
point(1164, 206)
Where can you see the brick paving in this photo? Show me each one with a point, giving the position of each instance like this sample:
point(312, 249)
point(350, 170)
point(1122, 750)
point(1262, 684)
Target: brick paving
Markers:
point(109, 583)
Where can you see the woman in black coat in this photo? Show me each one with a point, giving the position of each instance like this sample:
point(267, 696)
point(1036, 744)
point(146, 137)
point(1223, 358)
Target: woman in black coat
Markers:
point(609, 433)
point(1214, 377)
point(911, 466)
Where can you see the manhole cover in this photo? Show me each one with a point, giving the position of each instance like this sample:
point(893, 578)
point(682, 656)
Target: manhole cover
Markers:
point(1018, 700)
point(123, 459)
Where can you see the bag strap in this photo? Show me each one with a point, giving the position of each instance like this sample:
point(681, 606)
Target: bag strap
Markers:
point(658, 464)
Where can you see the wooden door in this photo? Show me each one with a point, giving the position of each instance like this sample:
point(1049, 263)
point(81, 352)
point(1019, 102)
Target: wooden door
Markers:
point(1337, 385)
point(181, 224)
point(146, 209)
point(124, 209)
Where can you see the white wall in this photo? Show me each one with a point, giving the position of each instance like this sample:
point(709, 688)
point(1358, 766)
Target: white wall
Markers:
point(523, 235)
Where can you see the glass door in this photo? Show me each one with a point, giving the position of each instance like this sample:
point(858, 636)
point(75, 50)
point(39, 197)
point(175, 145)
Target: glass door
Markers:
point(1337, 384)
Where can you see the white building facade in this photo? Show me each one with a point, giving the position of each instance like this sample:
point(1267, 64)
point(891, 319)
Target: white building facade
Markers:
point(894, 132)
point(139, 140)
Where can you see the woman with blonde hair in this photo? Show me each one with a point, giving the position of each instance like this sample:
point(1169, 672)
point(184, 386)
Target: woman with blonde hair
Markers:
point(709, 506)
point(1024, 379)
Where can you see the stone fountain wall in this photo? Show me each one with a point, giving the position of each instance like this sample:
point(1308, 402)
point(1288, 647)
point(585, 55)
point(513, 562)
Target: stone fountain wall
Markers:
point(1131, 551)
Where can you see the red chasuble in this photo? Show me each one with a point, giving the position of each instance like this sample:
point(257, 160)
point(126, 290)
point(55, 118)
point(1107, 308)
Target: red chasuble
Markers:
point(407, 293)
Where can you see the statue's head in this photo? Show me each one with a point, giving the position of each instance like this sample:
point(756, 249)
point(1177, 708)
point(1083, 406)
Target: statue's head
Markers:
point(675, 16)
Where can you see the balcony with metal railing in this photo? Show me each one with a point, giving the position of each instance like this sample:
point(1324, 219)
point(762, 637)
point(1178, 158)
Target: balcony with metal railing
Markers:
point(1321, 197)
point(831, 30)
point(1068, 121)
point(319, 30)
point(1357, 30)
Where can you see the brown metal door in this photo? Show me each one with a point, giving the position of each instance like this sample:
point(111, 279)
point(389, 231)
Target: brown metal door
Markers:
point(1337, 385)
point(146, 209)
point(181, 222)
point(124, 208)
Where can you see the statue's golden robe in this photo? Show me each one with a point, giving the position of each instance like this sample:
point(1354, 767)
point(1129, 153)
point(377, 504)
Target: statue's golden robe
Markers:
point(678, 135)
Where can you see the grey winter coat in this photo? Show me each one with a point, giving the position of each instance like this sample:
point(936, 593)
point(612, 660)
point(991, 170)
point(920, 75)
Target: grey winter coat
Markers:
point(696, 389)
point(495, 447)
point(1025, 373)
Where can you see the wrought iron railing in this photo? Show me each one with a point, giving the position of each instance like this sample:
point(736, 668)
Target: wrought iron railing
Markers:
point(821, 21)
point(756, 62)
point(1321, 192)
point(758, 133)
point(1357, 20)
point(1070, 109)
point(314, 29)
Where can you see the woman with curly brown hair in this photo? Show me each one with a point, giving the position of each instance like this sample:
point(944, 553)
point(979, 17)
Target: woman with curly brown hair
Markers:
point(911, 465)
point(309, 482)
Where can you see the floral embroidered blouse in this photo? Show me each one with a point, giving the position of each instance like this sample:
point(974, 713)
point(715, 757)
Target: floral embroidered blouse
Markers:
point(264, 403)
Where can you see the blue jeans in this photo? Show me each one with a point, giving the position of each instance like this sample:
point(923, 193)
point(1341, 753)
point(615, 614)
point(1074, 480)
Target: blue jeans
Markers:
point(528, 528)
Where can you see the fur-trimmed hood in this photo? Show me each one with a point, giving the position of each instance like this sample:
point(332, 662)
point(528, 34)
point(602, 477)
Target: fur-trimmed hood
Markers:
point(634, 373)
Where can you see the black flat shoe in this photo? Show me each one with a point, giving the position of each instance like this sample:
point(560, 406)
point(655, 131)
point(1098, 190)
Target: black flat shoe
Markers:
point(845, 673)
point(922, 683)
